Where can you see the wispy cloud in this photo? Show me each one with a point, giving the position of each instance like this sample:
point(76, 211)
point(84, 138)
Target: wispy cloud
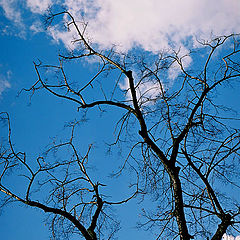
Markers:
point(4, 82)
point(66, 37)
point(36, 27)
point(145, 90)
point(12, 12)
point(38, 6)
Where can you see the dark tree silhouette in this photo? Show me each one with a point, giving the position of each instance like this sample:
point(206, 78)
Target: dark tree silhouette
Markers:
point(180, 140)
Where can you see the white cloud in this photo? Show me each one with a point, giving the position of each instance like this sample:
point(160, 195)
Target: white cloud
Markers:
point(144, 90)
point(12, 12)
point(183, 55)
point(155, 24)
point(230, 237)
point(38, 6)
point(67, 36)
point(152, 24)
point(4, 83)
point(36, 27)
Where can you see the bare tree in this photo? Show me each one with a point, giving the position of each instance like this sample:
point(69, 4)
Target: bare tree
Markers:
point(182, 143)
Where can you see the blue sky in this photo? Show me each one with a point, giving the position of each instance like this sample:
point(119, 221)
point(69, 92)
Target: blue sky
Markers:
point(147, 24)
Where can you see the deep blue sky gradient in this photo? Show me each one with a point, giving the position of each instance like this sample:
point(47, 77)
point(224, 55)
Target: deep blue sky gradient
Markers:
point(34, 121)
